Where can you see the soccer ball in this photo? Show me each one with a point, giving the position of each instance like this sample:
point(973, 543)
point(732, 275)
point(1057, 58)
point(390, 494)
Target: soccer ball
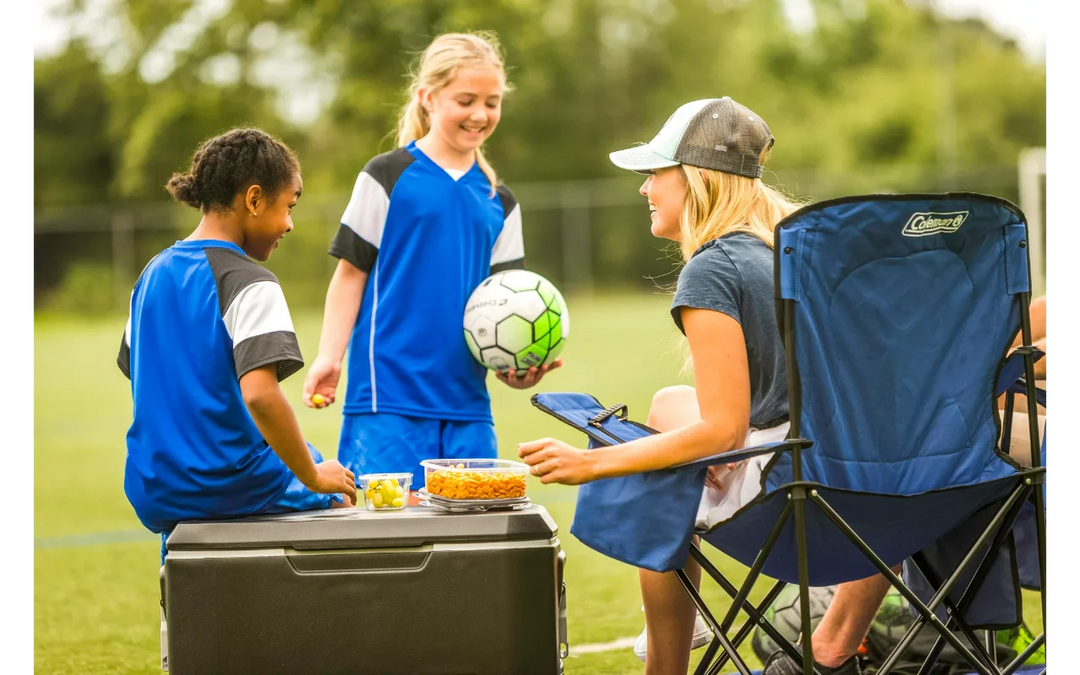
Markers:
point(785, 615)
point(514, 320)
point(893, 619)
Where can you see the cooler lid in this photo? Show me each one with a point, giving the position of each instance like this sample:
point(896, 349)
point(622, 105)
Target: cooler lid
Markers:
point(360, 528)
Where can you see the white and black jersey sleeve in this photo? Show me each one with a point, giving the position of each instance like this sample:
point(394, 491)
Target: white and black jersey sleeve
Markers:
point(255, 314)
point(509, 249)
point(360, 235)
point(123, 359)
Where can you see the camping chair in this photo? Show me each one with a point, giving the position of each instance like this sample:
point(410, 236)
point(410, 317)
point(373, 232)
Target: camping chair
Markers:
point(896, 313)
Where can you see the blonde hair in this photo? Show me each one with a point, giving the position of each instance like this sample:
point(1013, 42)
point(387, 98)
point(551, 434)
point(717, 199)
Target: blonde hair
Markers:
point(719, 203)
point(438, 66)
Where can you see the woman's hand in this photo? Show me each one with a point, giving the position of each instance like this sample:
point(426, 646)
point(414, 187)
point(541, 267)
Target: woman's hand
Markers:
point(530, 378)
point(714, 478)
point(556, 462)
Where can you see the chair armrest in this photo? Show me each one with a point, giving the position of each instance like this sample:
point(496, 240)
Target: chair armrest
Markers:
point(1013, 368)
point(1020, 387)
point(741, 454)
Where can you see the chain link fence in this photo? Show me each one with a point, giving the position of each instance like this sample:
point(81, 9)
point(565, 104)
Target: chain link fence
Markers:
point(583, 235)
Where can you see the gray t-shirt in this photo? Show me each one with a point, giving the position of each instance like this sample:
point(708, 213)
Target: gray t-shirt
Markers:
point(734, 275)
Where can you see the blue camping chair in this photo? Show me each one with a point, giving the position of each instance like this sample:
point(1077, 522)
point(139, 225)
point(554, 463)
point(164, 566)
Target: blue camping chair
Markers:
point(896, 313)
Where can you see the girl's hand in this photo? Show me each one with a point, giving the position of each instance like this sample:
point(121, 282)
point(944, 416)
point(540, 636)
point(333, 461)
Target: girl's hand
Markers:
point(556, 462)
point(332, 478)
point(322, 379)
point(531, 376)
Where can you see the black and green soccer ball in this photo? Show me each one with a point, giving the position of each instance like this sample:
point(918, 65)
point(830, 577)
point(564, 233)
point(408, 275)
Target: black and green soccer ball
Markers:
point(785, 615)
point(515, 320)
point(893, 619)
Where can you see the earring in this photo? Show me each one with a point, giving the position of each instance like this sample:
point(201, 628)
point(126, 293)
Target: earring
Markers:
point(253, 214)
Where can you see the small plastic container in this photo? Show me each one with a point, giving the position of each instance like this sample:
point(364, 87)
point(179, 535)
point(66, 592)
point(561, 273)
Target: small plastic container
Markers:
point(384, 491)
point(473, 479)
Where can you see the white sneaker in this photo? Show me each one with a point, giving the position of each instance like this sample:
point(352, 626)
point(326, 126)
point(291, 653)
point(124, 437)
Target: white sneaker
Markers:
point(702, 637)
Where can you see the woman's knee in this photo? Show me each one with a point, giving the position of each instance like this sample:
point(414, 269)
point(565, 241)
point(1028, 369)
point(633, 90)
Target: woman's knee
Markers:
point(673, 407)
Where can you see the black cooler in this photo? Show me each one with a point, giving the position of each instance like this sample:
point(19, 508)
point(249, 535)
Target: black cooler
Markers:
point(410, 592)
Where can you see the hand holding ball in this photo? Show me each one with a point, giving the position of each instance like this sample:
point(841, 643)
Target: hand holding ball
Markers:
point(516, 320)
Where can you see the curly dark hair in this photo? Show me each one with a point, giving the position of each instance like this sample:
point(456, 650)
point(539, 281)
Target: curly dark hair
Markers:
point(228, 164)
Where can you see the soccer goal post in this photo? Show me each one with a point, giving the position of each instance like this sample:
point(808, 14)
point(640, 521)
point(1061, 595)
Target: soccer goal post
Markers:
point(1032, 179)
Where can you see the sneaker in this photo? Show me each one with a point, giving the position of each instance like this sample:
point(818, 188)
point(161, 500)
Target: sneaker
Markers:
point(781, 664)
point(702, 637)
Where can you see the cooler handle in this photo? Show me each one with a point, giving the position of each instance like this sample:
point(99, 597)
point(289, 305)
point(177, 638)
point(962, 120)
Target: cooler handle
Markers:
point(164, 623)
point(564, 641)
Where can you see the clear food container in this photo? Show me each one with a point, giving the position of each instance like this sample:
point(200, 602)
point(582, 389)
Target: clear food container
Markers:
point(472, 479)
point(385, 491)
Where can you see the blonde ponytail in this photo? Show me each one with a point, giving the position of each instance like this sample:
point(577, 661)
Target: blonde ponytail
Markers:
point(438, 66)
point(413, 124)
point(488, 170)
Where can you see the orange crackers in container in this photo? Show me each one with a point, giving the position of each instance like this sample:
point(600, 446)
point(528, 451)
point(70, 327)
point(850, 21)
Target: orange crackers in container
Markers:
point(473, 479)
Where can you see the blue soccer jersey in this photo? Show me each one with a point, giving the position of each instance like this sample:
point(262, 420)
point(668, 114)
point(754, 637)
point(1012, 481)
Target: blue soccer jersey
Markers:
point(202, 315)
point(427, 240)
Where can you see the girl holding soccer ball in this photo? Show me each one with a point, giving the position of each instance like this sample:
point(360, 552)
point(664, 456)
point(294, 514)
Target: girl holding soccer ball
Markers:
point(426, 224)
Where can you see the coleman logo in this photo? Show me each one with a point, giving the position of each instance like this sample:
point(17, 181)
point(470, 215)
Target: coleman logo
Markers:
point(923, 224)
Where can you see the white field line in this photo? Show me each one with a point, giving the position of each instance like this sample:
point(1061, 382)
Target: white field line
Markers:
point(621, 643)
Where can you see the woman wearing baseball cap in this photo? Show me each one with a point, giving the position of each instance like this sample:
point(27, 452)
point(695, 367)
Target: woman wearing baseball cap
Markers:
point(705, 192)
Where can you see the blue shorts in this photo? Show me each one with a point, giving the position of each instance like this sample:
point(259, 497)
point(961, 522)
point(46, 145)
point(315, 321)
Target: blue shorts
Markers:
point(388, 443)
point(297, 497)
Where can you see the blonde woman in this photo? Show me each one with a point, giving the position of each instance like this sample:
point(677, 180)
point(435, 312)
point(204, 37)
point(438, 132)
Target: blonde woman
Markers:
point(705, 192)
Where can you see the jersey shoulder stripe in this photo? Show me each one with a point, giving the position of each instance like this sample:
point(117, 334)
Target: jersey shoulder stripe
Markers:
point(508, 251)
point(509, 201)
point(387, 168)
point(255, 314)
point(233, 273)
point(364, 219)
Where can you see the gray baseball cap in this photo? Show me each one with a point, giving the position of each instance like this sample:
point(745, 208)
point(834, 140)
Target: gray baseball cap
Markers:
point(713, 133)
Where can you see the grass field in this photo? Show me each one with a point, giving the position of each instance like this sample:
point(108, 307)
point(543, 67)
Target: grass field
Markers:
point(96, 569)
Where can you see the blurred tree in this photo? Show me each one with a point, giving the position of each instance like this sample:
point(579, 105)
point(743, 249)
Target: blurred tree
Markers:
point(193, 73)
point(73, 158)
point(862, 95)
point(865, 83)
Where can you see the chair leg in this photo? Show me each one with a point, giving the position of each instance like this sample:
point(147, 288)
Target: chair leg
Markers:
point(707, 667)
point(1008, 514)
point(990, 643)
point(925, 611)
point(754, 615)
point(740, 665)
point(798, 496)
point(1042, 541)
